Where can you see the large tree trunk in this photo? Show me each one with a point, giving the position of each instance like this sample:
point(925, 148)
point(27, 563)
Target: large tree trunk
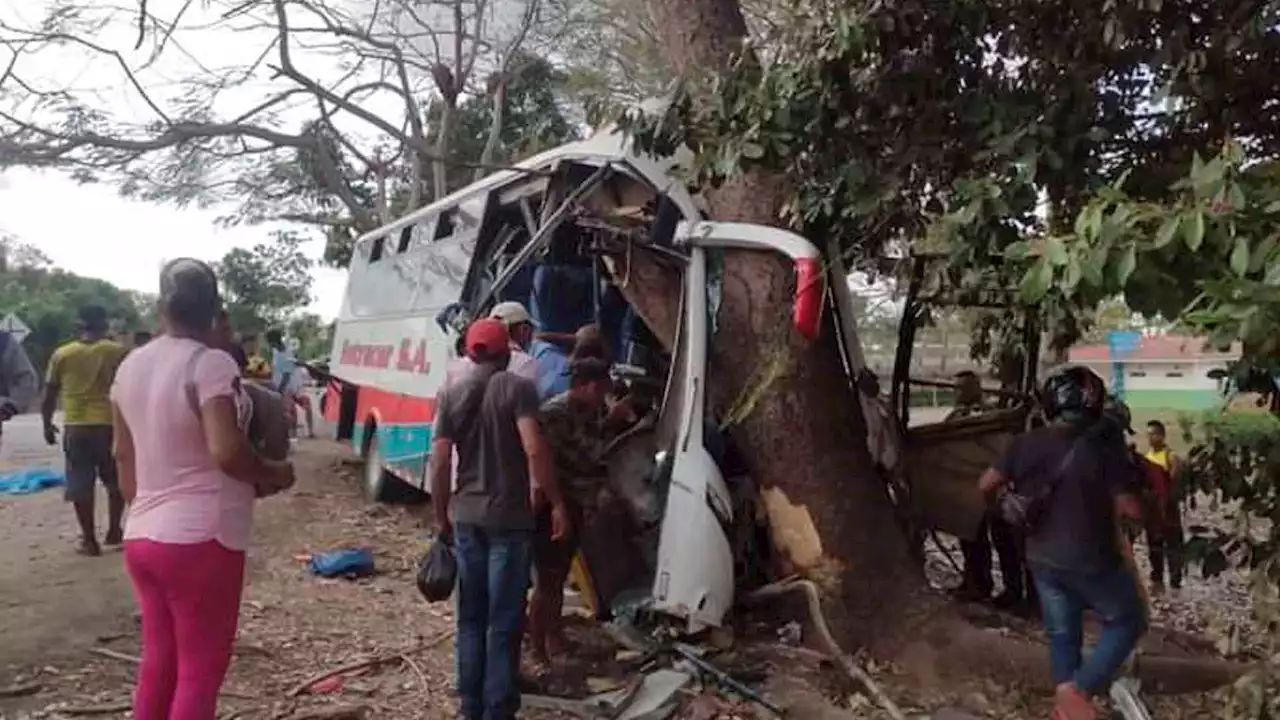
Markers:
point(796, 417)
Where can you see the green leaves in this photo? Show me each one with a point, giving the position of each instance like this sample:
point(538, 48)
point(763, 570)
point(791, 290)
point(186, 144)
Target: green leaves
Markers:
point(1168, 230)
point(1240, 256)
point(265, 285)
point(1089, 222)
point(1126, 262)
point(1193, 229)
point(1035, 284)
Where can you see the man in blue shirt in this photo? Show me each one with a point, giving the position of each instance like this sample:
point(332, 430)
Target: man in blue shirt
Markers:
point(283, 362)
point(553, 361)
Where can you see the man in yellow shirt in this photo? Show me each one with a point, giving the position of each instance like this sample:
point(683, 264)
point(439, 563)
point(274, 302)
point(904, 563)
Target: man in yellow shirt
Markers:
point(80, 375)
point(1165, 536)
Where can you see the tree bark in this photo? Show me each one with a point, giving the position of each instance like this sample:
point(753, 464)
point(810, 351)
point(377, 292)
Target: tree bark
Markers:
point(794, 413)
point(440, 167)
point(499, 105)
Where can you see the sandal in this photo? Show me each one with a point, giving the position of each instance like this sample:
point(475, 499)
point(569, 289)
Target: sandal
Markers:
point(89, 548)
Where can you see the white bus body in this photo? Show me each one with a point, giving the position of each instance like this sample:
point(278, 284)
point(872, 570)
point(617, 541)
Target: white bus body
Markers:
point(392, 349)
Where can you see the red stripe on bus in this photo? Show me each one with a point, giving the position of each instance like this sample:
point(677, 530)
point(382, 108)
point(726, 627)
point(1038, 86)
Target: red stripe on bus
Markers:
point(385, 406)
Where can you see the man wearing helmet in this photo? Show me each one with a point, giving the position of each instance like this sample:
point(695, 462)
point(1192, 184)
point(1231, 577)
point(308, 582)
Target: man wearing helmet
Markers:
point(1079, 472)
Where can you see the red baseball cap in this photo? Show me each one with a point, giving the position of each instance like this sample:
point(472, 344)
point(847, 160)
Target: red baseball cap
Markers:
point(487, 338)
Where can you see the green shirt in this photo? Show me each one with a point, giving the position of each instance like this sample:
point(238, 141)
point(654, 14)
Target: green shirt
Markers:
point(577, 439)
point(83, 373)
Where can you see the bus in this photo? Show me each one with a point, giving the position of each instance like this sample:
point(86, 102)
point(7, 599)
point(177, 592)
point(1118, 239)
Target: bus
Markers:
point(546, 233)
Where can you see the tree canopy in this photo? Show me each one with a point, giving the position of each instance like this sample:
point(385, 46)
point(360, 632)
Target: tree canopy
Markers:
point(264, 286)
point(315, 112)
point(973, 127)
point(48, 299)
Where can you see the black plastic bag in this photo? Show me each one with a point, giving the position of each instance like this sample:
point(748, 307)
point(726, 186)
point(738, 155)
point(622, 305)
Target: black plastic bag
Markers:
point(438, 572)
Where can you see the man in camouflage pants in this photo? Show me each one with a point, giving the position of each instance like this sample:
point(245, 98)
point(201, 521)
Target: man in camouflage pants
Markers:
point(573, 424)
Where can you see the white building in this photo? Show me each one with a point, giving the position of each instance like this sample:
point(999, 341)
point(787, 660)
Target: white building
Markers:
point(1163, 371)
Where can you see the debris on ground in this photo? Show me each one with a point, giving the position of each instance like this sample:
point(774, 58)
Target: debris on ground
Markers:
point(373, 648)
point(350, 563)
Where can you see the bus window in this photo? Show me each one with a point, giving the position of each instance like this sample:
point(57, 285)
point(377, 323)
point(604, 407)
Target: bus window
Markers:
point(444, 227)
point(422, 232)
point(406, 235)
point(375, 251)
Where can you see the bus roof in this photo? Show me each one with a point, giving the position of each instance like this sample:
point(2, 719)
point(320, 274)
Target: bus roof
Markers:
point(607, 143)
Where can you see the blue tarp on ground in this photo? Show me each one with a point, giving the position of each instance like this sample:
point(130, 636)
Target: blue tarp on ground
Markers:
point(30, 480)
point(349, 562)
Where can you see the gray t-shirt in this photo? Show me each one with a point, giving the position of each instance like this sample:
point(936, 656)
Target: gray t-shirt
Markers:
point(1078, 531)
point(478, 413)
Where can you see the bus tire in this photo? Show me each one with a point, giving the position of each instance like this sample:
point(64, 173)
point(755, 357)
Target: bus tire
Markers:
point(375, 481)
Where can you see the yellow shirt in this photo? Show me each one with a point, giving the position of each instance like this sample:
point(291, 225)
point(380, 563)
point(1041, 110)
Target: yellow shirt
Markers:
point(1159, 457)
point(257, 369)
point(83, 373)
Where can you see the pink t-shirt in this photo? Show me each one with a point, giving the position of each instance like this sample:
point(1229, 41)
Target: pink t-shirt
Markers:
point(183, 497)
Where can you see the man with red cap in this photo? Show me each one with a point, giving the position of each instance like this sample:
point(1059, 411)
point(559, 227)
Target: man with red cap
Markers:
point(490, 415)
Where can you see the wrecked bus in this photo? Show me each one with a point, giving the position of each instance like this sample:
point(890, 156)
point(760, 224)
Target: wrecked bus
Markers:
point(539, 233)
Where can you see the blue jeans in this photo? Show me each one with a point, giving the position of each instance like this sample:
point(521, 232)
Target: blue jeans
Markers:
point(1113, 596)
point(493, 577)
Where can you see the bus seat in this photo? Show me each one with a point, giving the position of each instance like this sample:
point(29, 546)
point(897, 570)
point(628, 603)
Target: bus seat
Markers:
point(618, 320)
point(563, 298)
point(520, 287)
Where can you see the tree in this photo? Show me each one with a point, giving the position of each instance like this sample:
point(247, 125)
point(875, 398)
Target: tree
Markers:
point(309, 149)
point(877, 126)
point(520, 118)
point(315, 337)
point(48, 299)
point(264, 286)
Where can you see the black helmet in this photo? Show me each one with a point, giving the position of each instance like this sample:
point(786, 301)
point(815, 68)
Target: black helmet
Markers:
point(1118, 413)
point(1072, 393)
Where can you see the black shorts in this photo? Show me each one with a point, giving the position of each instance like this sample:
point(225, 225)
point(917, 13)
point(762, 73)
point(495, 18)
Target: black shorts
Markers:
point(556, 556)
point(89, 457)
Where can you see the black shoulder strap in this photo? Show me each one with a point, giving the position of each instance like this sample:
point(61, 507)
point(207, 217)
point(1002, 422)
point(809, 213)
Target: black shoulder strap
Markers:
point(1061, 470)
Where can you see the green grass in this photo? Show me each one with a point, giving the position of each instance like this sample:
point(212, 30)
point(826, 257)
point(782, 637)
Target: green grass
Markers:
point(1173, 422)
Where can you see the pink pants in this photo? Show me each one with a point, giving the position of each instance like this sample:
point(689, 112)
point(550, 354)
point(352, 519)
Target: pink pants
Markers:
point(190, 601)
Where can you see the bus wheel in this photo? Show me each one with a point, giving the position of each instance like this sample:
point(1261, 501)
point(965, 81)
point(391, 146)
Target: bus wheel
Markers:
point(375, 480)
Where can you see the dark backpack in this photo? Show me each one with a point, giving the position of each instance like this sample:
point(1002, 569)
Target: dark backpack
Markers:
point(268, 426)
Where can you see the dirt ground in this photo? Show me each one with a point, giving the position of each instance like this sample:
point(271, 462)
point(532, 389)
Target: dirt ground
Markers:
point(59, 612)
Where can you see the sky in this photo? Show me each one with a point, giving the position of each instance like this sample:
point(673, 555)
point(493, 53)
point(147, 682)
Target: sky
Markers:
point(90, 230)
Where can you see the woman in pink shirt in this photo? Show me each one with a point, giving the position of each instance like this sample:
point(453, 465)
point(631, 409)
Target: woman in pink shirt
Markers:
point(191, 475)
